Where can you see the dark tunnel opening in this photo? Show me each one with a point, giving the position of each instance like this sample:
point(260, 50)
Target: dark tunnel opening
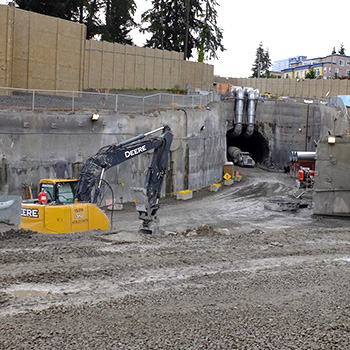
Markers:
point(256, 144)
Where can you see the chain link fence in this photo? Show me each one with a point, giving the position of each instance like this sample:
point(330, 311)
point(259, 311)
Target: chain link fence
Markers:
point(136, 102)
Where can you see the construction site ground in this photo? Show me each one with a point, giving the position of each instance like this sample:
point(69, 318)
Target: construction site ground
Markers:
point(240, 268)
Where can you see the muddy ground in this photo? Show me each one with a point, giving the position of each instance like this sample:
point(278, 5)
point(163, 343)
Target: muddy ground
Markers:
point(231, 271)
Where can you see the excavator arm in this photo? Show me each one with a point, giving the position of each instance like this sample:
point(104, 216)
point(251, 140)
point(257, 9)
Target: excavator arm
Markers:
point(93, 170)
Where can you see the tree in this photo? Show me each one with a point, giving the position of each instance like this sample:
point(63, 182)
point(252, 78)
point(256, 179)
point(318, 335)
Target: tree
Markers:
point(211, 35)
point(334, 51)
point(56, 8)
point(341, 50)
point(119, 21)
point(311, 74)
point(262, 63)
point(182, 26)
point(87, 13)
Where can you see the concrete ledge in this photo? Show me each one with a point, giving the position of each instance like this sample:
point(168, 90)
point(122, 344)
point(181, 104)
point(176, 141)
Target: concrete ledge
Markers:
point(184, 195)
point(10, 209)
point(214, 187)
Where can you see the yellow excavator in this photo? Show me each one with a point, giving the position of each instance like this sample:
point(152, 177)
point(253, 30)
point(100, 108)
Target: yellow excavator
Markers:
point(73, 205)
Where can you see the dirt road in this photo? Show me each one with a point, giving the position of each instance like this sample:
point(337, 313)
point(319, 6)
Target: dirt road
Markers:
point(230, 272)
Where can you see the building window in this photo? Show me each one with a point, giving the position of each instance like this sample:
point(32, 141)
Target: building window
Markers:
point(341, 63)
point(287, 75)
point(329, 69)
point(348, 63)
point(337, 70)
point(348, 72)
point(317, 71)
point(298, 74)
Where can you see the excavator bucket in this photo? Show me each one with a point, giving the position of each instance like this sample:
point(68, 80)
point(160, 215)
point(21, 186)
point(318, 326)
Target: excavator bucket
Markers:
point(69, 218)
point(150, 227)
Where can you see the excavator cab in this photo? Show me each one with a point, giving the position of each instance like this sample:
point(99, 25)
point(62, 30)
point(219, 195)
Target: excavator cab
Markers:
point(59, 191)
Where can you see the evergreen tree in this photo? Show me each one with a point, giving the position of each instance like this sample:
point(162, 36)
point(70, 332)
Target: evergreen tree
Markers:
point(311, 74)
point(182, 26)
point(211, 35)
point(119, 21)
point(262, 63)
point(56, 8)
point(341, 50)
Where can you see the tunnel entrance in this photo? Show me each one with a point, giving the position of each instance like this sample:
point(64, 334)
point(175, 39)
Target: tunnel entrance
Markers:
point(256, 144)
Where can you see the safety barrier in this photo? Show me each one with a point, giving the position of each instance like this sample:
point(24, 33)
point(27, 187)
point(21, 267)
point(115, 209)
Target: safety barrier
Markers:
point(37, 100)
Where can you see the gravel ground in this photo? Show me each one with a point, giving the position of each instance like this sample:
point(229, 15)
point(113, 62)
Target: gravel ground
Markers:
point(229, 272)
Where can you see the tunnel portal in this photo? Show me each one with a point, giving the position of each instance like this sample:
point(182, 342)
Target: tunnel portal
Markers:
point(256, 144)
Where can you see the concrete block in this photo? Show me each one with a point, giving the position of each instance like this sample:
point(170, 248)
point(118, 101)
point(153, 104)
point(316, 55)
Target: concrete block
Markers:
point(215, 187)
point(113, 206)
point(116, 206)
point(10, 210)
point(228, 182)
point(184, 195)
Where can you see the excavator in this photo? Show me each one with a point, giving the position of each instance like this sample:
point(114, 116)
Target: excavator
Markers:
point(71, 205)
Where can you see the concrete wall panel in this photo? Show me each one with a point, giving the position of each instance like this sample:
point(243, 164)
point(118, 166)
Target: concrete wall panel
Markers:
point(307, 88)
point(4, 39)
point(130, 62)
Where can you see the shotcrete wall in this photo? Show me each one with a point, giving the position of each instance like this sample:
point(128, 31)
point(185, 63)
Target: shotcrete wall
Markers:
point(31, 144)
point(332, 180)
point(285, 127)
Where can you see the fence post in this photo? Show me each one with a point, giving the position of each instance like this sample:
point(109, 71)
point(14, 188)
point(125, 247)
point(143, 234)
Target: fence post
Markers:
point(159, 100)
point(143, 105)
point(33, 101)
point(73, 102)
point(116, 103)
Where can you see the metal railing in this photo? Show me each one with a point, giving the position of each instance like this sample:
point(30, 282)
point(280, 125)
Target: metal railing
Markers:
point(140, 102)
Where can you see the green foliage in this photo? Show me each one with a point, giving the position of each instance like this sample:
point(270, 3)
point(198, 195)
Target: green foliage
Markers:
point(311, 74)
point(262, 63)
point(341, 50)
point(119, 21)
point(56, 8)
point(183, 26)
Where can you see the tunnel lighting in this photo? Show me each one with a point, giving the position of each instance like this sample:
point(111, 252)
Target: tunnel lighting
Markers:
point(331, 139)
point(95, 117)
point(300, 129)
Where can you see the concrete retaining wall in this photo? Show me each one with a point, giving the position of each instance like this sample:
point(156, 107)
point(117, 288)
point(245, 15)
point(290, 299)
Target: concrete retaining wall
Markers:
point(332, 181)
point(290, 126)
point(31, 144)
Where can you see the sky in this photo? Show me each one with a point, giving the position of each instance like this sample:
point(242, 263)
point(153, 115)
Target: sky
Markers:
point(285, 28)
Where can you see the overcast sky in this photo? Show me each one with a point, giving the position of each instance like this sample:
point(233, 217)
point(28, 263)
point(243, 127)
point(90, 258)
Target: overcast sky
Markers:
point(286, 28)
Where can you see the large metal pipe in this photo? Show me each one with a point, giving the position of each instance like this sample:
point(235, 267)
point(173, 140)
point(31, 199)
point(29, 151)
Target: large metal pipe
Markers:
point(296, 155)
point(239, 96)
point(251, 98)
